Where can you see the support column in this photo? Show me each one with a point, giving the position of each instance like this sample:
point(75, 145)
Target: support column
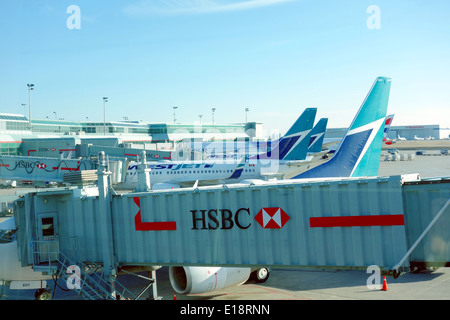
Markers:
point(105, 217)
point(143, 175)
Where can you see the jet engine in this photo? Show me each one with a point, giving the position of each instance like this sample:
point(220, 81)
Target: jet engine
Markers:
point(186, 280)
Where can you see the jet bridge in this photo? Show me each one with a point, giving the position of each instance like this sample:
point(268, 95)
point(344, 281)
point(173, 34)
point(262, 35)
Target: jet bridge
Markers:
point(327, 223)
point(40, 168)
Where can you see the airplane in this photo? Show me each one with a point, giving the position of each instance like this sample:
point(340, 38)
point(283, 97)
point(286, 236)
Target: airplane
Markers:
point(400, 138)
point(418, 138)
point(177, 174)
point(357, 155)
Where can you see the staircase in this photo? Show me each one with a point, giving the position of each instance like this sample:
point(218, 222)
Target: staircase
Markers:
point(87, 279)
point(91, 284)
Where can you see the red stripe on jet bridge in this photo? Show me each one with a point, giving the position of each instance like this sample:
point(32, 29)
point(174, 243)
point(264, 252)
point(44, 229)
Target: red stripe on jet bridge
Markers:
point(71, 169)
point(358, 221)
point(151, 226)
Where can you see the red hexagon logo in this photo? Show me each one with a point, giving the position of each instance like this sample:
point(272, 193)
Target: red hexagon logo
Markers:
point(41, 166)
point(272, 218)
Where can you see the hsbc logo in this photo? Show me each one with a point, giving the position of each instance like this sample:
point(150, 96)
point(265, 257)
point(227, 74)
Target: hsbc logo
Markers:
point(268, 218)
point(272, 218)
point(41, 166)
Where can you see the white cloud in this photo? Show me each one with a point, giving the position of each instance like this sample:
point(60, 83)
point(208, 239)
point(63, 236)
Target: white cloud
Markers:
point(180, 7)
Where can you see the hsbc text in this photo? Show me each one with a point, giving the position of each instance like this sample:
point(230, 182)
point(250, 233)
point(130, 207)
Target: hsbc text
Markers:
point(220, 218)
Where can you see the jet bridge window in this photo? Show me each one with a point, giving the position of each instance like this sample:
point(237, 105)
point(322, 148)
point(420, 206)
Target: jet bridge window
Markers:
point(48, 227)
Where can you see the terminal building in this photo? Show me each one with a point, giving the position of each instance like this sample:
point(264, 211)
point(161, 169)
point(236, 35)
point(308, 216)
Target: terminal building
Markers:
point(14, 128)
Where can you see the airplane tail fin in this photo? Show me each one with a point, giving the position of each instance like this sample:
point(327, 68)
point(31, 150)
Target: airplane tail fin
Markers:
point(359, 151)
point(294, 144)
point(317, 136)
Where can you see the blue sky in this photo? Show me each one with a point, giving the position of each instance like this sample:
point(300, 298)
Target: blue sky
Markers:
point(275, 57)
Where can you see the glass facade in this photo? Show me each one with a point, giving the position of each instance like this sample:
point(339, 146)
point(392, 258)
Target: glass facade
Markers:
point(9, 148)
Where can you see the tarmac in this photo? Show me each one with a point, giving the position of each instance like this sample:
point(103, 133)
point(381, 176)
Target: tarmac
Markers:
point(287, 284)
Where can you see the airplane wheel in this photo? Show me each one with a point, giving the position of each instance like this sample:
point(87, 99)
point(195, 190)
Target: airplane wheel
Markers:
point(261, 275)
point(42, 294)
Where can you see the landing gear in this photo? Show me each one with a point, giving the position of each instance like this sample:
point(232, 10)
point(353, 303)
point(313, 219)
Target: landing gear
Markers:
point(260, 275)
point(42, 294)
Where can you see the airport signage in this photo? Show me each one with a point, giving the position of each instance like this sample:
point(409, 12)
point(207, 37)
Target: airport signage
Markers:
point(219, 219)
point(224, 219)
point(272, 218)
point(25, 164)
point(212, 219)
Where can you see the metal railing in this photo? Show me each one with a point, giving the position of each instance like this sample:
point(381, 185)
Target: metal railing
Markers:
point(91, 282)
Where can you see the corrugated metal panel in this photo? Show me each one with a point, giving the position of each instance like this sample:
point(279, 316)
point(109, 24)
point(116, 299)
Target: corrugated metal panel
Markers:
point(242, 240)
point(423, 201)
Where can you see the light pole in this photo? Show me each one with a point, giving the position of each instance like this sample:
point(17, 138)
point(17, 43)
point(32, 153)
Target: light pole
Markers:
point(213, 110)
point(174, 118)
point(246, 111)
point(30, 87)
point(200, 116)
point(105, 100)
point(56, 116)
